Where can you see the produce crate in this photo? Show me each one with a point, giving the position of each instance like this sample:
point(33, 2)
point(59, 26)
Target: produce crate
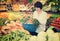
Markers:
point(29, 27)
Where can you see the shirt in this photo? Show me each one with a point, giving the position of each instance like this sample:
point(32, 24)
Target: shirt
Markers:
point(42, 18)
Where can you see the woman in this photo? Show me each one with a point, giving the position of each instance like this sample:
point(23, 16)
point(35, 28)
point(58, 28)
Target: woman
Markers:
point(41, 16)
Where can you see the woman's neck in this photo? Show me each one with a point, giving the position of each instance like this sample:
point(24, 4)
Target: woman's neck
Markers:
point(39, 12)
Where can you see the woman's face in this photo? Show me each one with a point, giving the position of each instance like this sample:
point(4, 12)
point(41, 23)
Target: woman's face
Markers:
point(38, 9)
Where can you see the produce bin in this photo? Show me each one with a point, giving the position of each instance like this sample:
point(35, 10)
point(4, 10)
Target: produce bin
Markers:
point(29, 27)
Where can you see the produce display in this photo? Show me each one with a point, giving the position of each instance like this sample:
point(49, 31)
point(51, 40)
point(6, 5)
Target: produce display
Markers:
point(13, 31)
point(3, 7)
point(27, 18)
point(17, 23)
point(3, 15)
point(15, 36)
point(12, 26)
point(53, 36)
point(50, 35)
point(14, 15)
point(51, 18)
point(56, 23)
point(52, 5)
point(15, 7)
point(24, 17)
point(49, 21)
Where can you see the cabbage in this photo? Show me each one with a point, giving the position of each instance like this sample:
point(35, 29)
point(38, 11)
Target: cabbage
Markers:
point(33, 38)
point(52, 36)
point(42, 36)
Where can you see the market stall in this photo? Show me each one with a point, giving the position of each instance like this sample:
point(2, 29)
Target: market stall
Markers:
point(17, 23)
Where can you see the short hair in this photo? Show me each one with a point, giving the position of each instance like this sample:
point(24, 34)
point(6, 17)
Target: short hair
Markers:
point(38, 5)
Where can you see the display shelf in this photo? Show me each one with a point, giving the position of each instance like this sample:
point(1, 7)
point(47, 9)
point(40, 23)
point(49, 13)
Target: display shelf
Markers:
point(50, 12)
point(25, 11)
point(3, 10)
point(3, 4)
point(13, 11)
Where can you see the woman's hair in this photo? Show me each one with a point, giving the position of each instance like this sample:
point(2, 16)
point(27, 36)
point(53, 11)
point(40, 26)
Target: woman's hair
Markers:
point(38, 5)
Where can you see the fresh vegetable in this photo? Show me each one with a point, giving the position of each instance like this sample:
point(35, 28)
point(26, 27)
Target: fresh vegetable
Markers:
point(42, 36)
point(15, 36)
point(3, 15)
point(12, 26)
point(49, 21)
point(15, 7)
point(14, 15)
point(49, 35)
point(35, 22)
point(2, 21)
point(56, 23)
point(33, 38)
point(52, 36)
point(13, 31)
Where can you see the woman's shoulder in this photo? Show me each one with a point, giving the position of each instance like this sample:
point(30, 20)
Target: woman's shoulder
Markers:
point(35, 11)
point(45, 13)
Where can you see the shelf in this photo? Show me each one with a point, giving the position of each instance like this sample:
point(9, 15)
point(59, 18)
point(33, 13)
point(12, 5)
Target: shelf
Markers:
point(25, 11)
point(3, 4)
point(3, 10)
point(50, 12)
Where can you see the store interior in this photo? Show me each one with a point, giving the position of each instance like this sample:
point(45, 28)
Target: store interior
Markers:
point(17, 23)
